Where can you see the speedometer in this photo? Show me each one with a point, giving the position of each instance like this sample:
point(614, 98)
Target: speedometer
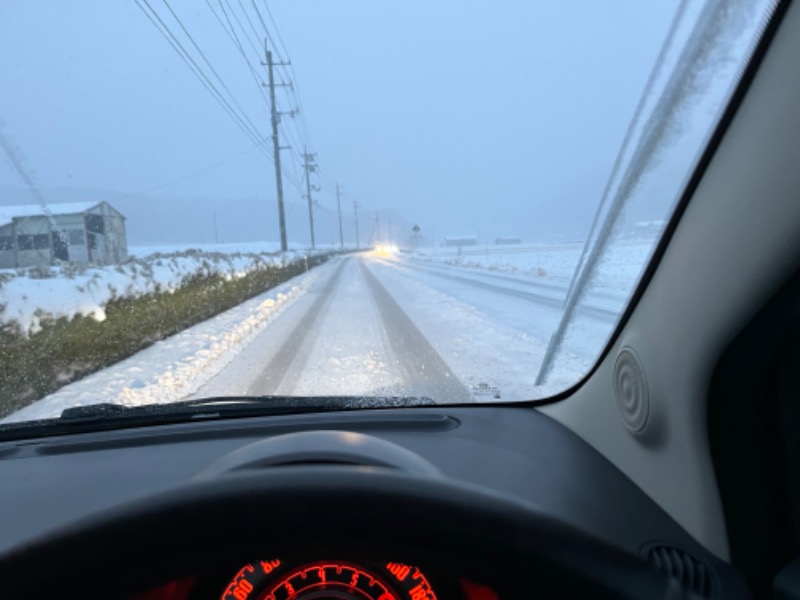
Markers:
point(278, 580)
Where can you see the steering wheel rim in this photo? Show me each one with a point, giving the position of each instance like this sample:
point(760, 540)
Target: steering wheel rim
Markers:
point(346, 510)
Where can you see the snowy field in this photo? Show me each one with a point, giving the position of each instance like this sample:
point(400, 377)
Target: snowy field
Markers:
point(554, 263)
point(28, 296)
point(231, 248)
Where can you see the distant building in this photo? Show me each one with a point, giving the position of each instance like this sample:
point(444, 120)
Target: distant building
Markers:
point(82, 232)
point(647, 229)
point(463, 240)
point(507, 241)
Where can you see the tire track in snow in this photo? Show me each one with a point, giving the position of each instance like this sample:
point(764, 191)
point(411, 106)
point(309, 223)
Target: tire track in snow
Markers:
point(486, 274)
point(548, 301)
point(556, 288)
point(286, 367)
point(422, 369)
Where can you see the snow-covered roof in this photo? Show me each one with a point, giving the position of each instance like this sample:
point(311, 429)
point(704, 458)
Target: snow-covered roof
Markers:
point(8, 213)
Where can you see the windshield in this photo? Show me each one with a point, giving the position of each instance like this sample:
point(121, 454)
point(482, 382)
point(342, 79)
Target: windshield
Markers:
point(393, 202)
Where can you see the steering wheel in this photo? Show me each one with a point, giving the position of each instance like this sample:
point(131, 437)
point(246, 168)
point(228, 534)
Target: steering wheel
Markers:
point(340, 509)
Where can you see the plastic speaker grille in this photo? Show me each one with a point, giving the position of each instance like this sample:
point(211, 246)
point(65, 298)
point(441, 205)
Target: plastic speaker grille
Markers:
point(630, 387)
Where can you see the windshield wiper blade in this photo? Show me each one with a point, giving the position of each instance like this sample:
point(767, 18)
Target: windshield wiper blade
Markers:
point(108, 416)
point(224, 406)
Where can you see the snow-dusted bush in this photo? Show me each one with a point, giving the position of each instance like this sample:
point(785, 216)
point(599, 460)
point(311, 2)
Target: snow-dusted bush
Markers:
point(104, 316)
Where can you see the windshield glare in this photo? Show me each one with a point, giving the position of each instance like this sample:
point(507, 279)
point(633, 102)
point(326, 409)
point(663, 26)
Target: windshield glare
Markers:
point(404, 202)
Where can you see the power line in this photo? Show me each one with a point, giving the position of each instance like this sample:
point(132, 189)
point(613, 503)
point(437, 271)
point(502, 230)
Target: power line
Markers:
point(292, 93)
point(231, 33)
point(296, 165)
point(282, 59)
point(192, 64)
point(210, 66)
point(244, 31)
point(250, 22)
point(291, 177)
point(195, 69)
point(298, 101)
point(288, 68)
point(275, 25)
point(291, 135)
point(218, 88)
point(191, 175)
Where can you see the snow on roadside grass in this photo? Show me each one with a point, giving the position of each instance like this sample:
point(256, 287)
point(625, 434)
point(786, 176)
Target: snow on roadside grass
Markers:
point(175, 367)
point(229, 248)
point(27, 297)
point(618, 271)
point(554, 262)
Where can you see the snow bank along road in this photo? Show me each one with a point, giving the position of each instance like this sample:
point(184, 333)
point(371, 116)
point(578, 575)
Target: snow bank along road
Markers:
point(364, 325)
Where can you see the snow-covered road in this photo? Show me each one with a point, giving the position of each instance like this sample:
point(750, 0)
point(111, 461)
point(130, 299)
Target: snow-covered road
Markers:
point(346, 336)
point(378, 326)
point(364, 325)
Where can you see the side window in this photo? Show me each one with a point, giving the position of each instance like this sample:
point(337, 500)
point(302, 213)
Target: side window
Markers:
point(95, 223)
point(41, 241)
point(76, 237)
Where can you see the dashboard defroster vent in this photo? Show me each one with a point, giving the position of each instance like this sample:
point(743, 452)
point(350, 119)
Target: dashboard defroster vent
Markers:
point(692, 574)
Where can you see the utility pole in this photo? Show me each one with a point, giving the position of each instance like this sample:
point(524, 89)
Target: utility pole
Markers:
point(310, 167)
point(355, 209)
point(276, 149)
point(339, 207)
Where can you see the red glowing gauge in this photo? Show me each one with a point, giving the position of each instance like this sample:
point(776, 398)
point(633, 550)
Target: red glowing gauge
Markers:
point(275, 580)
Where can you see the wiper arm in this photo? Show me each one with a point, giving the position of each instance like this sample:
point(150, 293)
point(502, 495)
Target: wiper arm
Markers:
point(225, 406)
point(102, 416)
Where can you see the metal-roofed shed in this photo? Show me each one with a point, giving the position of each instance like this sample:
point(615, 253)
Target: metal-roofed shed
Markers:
point(81, 232)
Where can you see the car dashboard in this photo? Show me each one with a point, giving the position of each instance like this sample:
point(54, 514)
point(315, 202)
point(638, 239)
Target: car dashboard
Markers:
point(75, 489)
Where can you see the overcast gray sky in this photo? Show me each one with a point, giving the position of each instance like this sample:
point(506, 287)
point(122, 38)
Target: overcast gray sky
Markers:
point(491, 118)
